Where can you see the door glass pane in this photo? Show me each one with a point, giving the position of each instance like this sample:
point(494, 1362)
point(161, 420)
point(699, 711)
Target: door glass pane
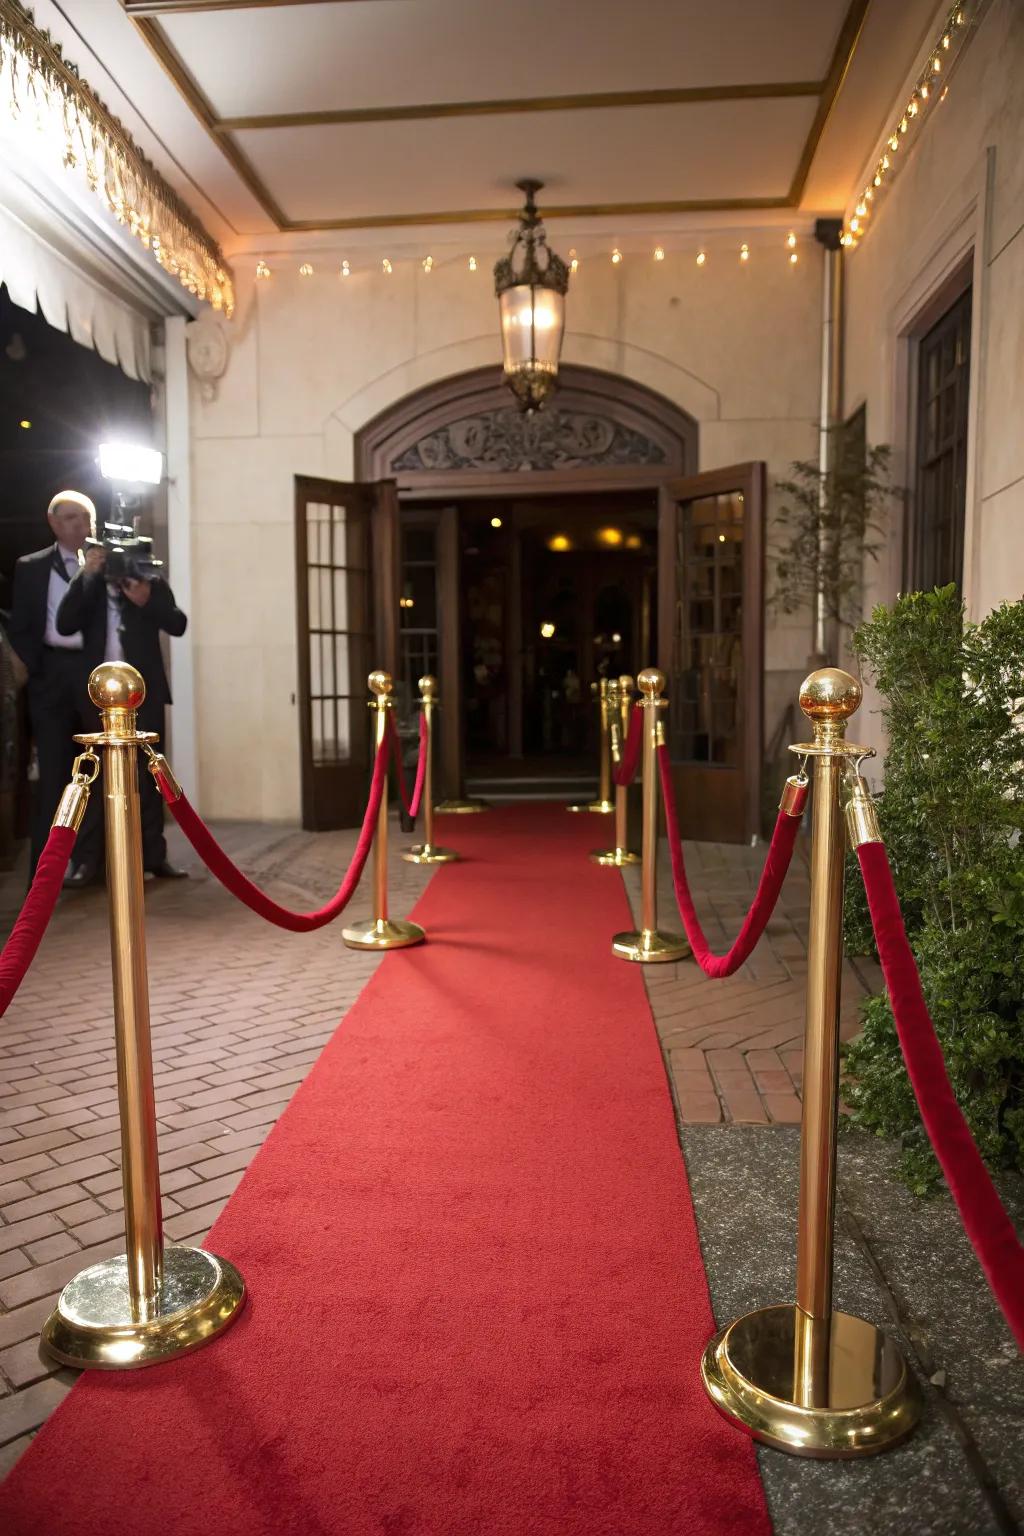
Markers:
point(705, 687)
point(417, 614)
point(339, 638)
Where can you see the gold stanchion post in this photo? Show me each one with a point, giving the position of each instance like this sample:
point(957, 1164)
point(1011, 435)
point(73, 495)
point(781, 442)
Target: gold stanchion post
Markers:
point(603, 805)
point(620, 704)
point(649, 945)
point(152, 1302)
point(802, 1377)
point(428, 852)
point(381, 931)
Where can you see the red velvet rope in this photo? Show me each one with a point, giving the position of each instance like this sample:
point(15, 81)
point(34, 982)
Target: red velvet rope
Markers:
point(624, 772)
point(984, 1219)
point(411, 806)
point(772, 876)
point(232, 878)
point(25, 937)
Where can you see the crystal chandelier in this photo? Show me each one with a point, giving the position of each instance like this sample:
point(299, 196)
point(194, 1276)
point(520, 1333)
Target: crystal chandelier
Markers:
point(531, 283)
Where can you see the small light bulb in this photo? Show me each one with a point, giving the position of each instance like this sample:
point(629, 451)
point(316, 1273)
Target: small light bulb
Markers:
point(924, 92)
point(659, 253)
point(861, 209)
point(886, 162)
point(26, 426)
point(855, 225)
point(428, 263)
point(495, 522)
point(306, 270)
point(346, 270)
point(616, 256)
point(386, 267)
point(878, 180)
point(721, 538)
point(262, 270)
point(791, 240)
point(903, 125)
point(472, 263)
point(701, 258)
point(793, 258)
point(912, 109)
point(936, 64)
point(744, 253)
point(945, 41)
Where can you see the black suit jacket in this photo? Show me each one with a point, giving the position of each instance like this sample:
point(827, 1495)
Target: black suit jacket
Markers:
point(85, 607)
point(28, 604)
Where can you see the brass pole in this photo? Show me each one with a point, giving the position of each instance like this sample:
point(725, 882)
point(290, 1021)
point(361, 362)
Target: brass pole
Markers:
point(648, 945)
point(428, 852)
point(380, 931)
point(147, 1305)
point(804, 1377)
point(603, 805)
point(620, 705)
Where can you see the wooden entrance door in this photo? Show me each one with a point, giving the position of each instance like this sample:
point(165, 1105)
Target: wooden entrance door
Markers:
point(346, 563)
point(711, 646)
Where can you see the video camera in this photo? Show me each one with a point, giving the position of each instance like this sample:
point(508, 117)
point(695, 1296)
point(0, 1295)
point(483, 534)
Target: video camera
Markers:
point(129, 554)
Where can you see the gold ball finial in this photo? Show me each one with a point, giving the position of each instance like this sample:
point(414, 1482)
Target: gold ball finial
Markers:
point(830, 695)
point(428, 686)
point(651, 682)
point(625, 683)
point(116, 685)
point(380, 684)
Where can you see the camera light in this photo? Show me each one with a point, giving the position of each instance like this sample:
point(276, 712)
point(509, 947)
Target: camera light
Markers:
point(132, 462)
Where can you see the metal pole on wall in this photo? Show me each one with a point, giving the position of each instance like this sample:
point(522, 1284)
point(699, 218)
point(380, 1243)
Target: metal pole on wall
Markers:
point(827, 232)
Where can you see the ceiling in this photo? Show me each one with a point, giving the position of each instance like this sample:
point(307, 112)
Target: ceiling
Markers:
point(277, 116)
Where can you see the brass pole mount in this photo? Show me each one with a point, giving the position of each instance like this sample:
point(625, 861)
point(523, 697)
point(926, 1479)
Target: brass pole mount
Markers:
point(428, 852)
point(604, 805)
point(648, 945)
point(802, 1377)
point(380, 931)
point(620, 704)
point(150, 1303)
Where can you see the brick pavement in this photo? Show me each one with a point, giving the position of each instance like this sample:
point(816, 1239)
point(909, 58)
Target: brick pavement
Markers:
point(240, 1012)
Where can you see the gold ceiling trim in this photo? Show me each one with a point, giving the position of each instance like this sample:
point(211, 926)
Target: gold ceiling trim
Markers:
point(221, 129)
point(38, 80)
point(681, 96)
point(185, 7)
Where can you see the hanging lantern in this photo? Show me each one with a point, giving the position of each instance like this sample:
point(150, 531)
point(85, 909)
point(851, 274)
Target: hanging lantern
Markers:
point(531, 283)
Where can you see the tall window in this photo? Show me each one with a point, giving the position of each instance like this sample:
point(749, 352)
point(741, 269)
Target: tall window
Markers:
point(418, 611)
point(935, 553)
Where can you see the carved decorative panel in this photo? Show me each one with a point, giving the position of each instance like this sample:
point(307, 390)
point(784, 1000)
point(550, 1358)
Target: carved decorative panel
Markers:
point(505, 440)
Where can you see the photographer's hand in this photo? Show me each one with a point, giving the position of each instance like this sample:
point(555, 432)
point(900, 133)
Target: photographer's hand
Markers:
point(95, 559)
point(137, 592)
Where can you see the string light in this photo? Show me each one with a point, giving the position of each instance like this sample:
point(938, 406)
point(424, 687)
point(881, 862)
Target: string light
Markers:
point(472, 263)
point(574, 264)
point(262, 270)
point(26, 426)
point(305, 270)
point(616, 257)
point(791, 240)
point(793, 258)
point(428, 263)
point(659, 253)
point(495, 522)
point(702, 257)
point(386, 267)
point(346, 270)
point(744, 253)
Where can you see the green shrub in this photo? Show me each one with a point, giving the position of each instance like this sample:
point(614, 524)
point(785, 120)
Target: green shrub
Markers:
point(952, 815)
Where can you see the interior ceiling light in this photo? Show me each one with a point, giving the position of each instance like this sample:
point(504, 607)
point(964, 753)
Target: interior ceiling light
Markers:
point(558, 543)
point(495, 522)
point(634, 541)
point(547, 630)
point(530, 284)
point(610, 536)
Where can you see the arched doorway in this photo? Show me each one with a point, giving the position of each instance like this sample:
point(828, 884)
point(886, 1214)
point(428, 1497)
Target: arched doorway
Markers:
point(484, 519)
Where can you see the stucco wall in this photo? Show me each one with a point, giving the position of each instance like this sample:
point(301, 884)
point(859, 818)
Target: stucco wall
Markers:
point(313, 359)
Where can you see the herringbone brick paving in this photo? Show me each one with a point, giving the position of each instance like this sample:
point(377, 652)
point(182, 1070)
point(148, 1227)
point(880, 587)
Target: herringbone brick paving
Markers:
point(241, 1011)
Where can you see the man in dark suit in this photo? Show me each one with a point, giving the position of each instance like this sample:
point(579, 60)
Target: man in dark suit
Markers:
point(122, 621)
point(58, 670)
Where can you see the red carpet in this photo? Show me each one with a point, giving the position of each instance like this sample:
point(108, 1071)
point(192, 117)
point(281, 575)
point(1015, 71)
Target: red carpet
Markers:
point(477, 1298)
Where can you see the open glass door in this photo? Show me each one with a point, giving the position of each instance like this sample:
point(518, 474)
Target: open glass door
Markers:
point(711, 647)
point(346, 562)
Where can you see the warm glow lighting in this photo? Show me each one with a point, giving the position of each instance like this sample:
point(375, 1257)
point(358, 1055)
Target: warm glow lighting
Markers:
point(793, 258)
point(132, 462)
point(616, 638)
point(25, 425)
point(721, 538)
point(610, 536)
point(386, 267)
point(428, 263)
point(305, 270)
point(945, 41)
point(634, 541)
point(744, 253)
point(936, 64)
point(616, 256)
point(547, 630)
point(472, 263)
point(861, 209)
point(791, 239)
point(701, 258)
point(262, 270)
point(558, 543)
point(574, 262)
point(924, 93)
point(495, 522)
point(659, 253)
point(406, 602)
point(346, 270)
point(855, 225)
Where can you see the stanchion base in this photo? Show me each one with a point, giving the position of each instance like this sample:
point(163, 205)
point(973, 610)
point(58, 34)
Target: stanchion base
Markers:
point(616, 858)
point(596, 807)
point(383, 933)
point(650, 947)
point(871, 1400)
point(461, 807)
point(92, 1327)
point(429, 853)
